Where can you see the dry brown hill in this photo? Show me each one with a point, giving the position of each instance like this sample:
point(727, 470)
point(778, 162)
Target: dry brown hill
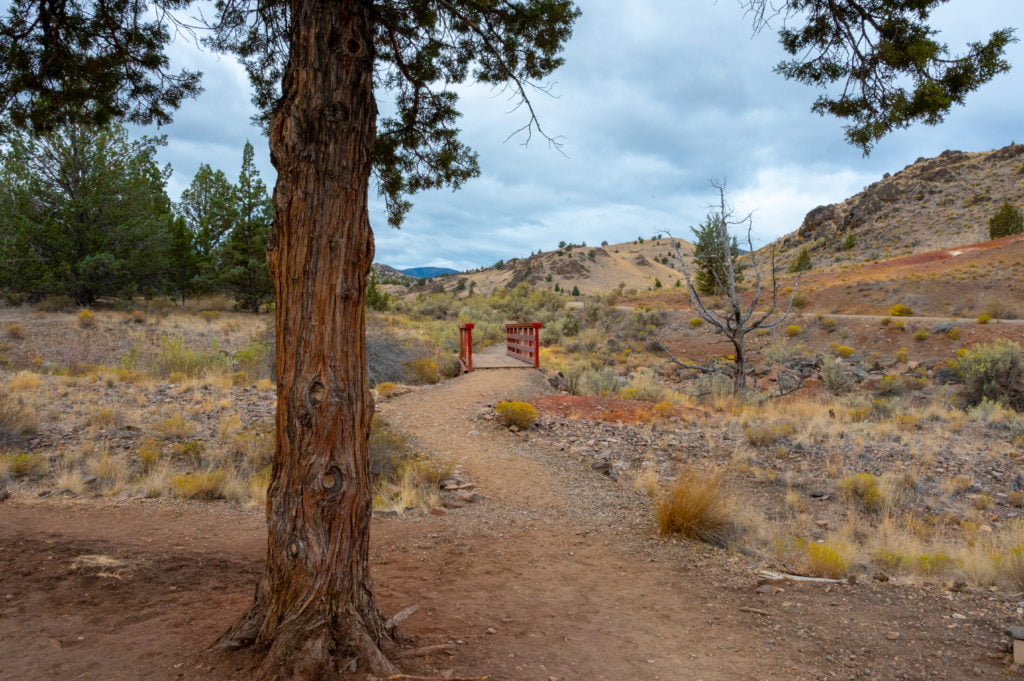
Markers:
point(592, 269)
point(935, 203)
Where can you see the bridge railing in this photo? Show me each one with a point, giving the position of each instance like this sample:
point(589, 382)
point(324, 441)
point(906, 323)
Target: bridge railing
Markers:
point(522, 341)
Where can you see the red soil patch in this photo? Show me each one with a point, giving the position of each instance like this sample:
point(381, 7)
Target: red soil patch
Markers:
point(608, 409)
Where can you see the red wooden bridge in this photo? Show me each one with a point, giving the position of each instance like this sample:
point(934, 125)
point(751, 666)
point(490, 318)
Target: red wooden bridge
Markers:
point(521, 349)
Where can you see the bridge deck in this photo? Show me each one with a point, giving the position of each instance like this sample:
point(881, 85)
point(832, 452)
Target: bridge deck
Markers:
point(494, 357)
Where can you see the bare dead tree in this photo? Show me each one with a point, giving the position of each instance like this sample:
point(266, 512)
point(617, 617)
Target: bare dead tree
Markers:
point(736, 320)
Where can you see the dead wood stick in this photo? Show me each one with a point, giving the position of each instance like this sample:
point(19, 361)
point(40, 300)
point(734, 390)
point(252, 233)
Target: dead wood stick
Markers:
point(755, 611)
point(782, 576)
point(426, 650)
point(400, 617)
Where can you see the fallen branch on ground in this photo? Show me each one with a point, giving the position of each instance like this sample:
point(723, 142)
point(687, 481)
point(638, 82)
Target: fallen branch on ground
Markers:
point(400, 617)
point(426, 650)
point(406, 677)
point(770, 576)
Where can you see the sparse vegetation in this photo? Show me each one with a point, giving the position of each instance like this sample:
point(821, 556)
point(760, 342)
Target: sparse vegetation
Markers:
point(518, 414)
point(993, 371)
point(901, 310)
point(1007, 221)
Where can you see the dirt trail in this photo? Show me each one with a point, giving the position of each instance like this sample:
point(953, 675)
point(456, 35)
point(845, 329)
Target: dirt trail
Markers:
point(556, 574)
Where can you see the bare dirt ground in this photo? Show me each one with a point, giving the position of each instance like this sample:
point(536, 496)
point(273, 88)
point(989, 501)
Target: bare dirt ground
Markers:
point(556, 574)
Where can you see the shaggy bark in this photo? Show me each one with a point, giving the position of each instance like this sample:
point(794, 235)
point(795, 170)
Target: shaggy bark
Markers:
point(314, 615)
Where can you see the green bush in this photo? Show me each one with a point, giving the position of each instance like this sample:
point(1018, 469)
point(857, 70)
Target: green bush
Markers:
point(644, 385)
point(836, 376)
point(252, 359)
point(1007, 220)
point(24, 465)
point(993, 371)
point(901, 310)
point(174, 357)
point(801, 263)
point(602, 382)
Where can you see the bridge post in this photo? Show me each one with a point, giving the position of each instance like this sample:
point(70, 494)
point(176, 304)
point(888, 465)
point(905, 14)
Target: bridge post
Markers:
point(466, 346)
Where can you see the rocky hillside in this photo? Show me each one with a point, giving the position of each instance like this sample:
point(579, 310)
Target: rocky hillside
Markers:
point(931, 204)
point(640, 265)
point(389, 275)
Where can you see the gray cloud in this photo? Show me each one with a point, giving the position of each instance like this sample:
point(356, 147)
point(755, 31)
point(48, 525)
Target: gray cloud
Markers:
point(655, 98)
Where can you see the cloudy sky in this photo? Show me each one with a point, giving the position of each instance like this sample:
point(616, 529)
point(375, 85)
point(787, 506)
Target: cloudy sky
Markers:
point(653, 100)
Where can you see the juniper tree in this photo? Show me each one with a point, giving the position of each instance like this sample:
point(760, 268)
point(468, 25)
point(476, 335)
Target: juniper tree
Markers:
point(317, 68)
point(1007, 220)
point(208, 208)
point(801, 263)
point(243, 255)
point(710, 256)
point(86, 214)
point(883, 56)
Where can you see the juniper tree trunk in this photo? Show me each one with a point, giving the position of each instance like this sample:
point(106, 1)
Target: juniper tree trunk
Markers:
point(314, 614)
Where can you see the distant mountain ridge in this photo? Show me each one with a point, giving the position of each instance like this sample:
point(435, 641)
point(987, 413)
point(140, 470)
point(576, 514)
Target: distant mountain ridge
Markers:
point(427, 272)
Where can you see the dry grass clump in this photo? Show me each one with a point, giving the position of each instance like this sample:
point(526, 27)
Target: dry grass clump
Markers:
point(767, 434)
point(175, 427)
point(518, 414)
point(86, 319)
point(697, 506)
point(386, 389)
point(423, 370)
point(206, 485)
point(647, 481)
point(863, 489)
point(228, 427)
point(16, 332)
point(402, 479)
point(155, 481)
point(255, 448)
point(901, 310)
point(24, 380)
point(831, 558)
point(149, 452)
point(17, 420)
point(414, 486)
point(69, 477)
point(105, 417)
point(258, 484)
point(111, 472)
